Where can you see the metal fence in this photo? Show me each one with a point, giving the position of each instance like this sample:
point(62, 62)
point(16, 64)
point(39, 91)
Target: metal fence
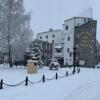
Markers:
point(43, 79)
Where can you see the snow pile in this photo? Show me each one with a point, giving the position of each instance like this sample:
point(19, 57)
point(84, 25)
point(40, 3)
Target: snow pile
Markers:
point(82, 86)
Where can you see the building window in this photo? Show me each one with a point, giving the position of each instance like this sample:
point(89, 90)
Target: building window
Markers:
point(68, 38)
point(92, 42)
point(40, 37)
point(58, 50)
point(49, 46)
point(70, 54)
point(46, 45)
point(53, 41)
point(77, 37)
point(66, 27)
point(53, 35)
point(93, 30)
point(92, 52)
point(89, 20)
point(68, 50)
point(85, 20)
point(48, 55)
point(41, 45)
point(77, 46)
point(78, 24)
point(47, 36)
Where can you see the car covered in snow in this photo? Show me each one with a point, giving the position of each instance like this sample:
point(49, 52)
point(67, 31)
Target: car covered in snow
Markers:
point(54, 65)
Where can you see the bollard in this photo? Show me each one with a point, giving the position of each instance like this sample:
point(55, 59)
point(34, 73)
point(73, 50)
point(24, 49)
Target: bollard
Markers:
point(1, 84)
point(56, 76)
point(26, 81)
point(43, 78)
point(74, 72)
point(67, 73)
point(78, 70)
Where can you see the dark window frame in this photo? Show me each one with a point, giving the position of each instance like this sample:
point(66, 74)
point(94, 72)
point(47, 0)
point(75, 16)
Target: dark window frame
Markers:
point(40, 37)
point(53, 35)
point(66, 27)
point(46, 36)
point(68, 38)
point(68, 50)
point(85, 20)
point(70, 54)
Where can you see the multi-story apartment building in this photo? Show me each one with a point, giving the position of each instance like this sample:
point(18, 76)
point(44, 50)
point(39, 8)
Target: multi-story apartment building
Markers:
point(56, 37)
point(80, 33)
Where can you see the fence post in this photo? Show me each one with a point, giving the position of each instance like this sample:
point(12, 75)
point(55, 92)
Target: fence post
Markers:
point(78, 70)
point(43, 78)
point(56, 76)
point(1, 84)
point(26, 81)
point(73, 72)
point(67, 73)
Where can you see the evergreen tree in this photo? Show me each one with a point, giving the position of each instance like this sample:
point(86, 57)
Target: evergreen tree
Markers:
point(37, 52)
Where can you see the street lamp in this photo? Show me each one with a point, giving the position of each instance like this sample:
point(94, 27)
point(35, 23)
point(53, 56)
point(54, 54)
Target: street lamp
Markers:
point(74, 58)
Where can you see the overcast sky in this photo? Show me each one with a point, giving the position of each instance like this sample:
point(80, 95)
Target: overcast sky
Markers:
point(52, 13)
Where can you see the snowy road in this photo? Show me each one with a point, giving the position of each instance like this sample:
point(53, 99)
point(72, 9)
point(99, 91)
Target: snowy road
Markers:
point(87, 91)
point(82, 86)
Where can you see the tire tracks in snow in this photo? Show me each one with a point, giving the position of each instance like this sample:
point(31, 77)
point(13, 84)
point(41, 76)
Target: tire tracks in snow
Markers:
point(79, 90)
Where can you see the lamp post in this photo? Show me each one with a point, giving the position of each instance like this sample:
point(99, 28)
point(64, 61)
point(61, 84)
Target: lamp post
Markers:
point(74, 58)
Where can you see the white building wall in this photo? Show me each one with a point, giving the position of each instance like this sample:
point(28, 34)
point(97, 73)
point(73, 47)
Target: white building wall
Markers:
point(57, 33)
point(58, 40)
point(68, 44)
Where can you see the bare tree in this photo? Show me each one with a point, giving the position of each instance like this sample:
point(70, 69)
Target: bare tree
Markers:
point(15, 31)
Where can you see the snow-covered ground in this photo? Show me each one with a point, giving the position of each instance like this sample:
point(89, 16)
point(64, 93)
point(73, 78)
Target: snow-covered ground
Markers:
point(82, 86)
